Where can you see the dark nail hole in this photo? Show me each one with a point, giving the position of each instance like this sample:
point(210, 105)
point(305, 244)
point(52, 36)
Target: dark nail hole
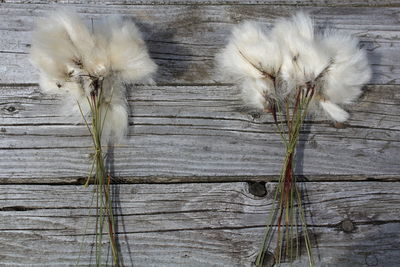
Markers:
point(3, 130)
point(257, 189)
point(347, 226)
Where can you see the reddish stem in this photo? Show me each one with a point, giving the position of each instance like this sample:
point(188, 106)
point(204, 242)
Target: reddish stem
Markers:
point(288, 173)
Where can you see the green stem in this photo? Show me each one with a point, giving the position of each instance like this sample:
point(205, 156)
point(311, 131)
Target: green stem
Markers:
point(283, 213)
point(104, 211)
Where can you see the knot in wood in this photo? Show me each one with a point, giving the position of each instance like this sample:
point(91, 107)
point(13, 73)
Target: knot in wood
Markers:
point(347, 226)
point(11, 109)
point(257, 189)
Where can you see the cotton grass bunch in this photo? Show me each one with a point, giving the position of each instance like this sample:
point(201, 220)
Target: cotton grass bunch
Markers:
point(89, 69)
point(292, 71)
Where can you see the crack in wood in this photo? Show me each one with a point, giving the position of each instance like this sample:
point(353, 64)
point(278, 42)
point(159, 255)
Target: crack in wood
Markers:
point(202, 179)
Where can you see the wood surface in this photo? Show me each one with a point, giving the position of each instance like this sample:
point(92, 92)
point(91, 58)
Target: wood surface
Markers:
point(182, 197)
point(180, 131)
point(202, 224)
point(183, 39)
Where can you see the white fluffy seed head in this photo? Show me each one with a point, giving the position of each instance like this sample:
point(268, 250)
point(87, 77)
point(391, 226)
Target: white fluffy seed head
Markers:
point(297, 55)
point(115, 123)
point(303, 58)
point(91, 48)
point(128, 51)
point(250, 57)
point(249, 50)
point(71, 58)
point(334, 111)
point(115, 110)
point(49, 84)
point(290, 30)
point(254, 94)
point(51, 51)
point(350, 69)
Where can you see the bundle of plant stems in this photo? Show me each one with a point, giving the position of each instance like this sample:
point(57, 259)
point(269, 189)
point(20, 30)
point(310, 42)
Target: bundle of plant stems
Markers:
point(293, 73)
point(88, 70)
point(102, 180)
point(287, 193)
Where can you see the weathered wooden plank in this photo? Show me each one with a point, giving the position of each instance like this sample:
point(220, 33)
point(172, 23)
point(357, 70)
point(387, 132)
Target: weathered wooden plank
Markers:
point(192, 128)
point(194, 131)
point(357, 3)
point(25, 105)
point(197, 224)
point(183, 38)
point(198, 205)
point(368, 246)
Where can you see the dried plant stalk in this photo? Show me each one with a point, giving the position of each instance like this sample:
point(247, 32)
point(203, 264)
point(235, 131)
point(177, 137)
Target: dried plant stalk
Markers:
point(102, 181)
point(288, 200)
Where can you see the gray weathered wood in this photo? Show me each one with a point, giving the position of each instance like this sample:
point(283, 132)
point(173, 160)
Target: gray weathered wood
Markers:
point(197, 224)
point(191, 127)
point(184, 39)
point(358, 3)
point(186, 131)
point(368, 246)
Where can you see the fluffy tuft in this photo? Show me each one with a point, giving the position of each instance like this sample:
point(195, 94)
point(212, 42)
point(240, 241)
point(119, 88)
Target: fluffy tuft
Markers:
point(278, 63)
point(128, 51)
point(350, 69)
point(71, 58)
point(250, 54)
point(334, 111)
point(116, 112)
point(303, 58)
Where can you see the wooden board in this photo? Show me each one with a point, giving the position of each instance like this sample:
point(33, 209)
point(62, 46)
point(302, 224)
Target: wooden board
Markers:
point(181, 131)
point(182, 199)
point(197, 224)
point(184, 39)
point(358, 3)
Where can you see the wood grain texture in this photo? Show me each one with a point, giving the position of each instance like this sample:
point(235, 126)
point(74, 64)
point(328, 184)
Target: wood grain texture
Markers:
point(357, 3)
point(191, 127)
point(194, 131)
point(183, 39)
point(159, 223)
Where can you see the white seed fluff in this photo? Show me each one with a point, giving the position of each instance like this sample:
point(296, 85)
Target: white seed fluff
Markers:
point(292, 54)
point(249, 54)
point(70, 57)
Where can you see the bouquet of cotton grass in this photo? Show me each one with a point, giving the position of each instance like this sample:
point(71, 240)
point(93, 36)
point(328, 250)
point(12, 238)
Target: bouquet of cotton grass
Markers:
point(88, 70)
point(291, 71)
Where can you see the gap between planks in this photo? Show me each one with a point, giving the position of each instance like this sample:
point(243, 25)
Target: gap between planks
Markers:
point(201, 179)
